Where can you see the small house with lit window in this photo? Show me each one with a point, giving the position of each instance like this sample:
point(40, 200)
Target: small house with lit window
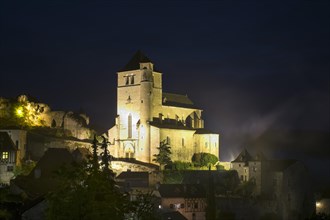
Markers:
point(188, 199)
point(8, 158)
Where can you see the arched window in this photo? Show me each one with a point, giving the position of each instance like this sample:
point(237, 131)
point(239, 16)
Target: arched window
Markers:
point(129, 126)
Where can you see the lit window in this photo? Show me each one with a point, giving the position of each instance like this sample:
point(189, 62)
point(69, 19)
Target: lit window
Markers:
point(5, 155)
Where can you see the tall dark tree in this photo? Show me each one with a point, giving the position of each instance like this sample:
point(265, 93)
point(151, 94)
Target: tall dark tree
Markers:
point(210, 208)
point(87, 192)
point(95, 160)
point(164, 155)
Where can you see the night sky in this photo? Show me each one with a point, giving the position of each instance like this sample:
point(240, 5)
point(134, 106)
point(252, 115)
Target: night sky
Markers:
point(260, 71)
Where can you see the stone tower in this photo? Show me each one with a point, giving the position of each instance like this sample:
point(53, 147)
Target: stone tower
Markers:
point(139, 85)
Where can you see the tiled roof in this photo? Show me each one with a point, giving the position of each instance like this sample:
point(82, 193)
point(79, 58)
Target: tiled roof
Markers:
point(175, 215)
point(6, 143)
point(53, 159)
point(177, 100)
point(182, 191)
point(171, 125)
point(244, 156)
point(204, 131)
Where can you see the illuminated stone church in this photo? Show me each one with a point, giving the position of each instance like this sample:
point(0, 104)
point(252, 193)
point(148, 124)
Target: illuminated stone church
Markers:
point(146, 116)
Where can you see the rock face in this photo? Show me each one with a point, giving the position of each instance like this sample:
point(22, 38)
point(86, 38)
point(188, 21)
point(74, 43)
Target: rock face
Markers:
point(120, 166)
point(24, 112)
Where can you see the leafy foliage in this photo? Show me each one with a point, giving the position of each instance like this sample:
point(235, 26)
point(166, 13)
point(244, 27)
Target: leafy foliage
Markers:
point(88, 191)
point(25, 168)
point(164, 155)
point(180, 165)
point(172, 177)
point(144, 206)
point(204, 159)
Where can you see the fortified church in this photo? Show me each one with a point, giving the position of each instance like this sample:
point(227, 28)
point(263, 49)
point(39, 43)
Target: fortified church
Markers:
point(146, 116)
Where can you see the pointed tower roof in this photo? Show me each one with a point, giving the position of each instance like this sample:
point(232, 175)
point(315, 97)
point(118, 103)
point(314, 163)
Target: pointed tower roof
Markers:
point(244, 156)
point(134, 63)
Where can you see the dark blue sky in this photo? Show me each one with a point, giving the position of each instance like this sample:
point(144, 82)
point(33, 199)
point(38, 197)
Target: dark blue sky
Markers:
point(260, 70)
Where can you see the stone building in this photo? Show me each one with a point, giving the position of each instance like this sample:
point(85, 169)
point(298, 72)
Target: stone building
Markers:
point(8, 154)
point(146, 116)
point(12, 151)
point(188, 199)
point(251, 168)
point(284, 181)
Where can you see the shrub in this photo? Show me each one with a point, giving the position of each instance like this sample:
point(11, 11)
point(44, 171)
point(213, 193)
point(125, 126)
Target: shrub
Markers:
point(204, 159)
point(180, 165)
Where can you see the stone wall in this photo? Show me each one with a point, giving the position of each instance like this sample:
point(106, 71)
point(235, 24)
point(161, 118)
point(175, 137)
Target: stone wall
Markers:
point(37, 114)
point(120, 166)
point(38, 144)
point(245, 208)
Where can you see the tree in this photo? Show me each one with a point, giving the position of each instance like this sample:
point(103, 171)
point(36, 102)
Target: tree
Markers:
point(87, 192)
point(144, 206)
point(204, 159)
point(164, 155)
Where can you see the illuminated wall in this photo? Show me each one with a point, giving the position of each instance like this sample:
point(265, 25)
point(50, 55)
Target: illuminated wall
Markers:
point(139, 103)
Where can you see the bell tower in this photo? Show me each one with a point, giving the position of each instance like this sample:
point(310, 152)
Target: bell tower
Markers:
point(138, 91)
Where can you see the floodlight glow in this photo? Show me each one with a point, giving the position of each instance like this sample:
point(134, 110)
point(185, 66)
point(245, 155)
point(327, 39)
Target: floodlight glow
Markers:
point(19, 112)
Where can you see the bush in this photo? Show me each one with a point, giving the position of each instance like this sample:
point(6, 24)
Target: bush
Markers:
point(220, 167)
point(180, 165)
point(204, 159)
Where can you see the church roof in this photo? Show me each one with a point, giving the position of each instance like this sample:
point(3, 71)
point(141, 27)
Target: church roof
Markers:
point(134, 63)
point(6, 144)
point(204, 131)
point(171, 125)
point(177, 100)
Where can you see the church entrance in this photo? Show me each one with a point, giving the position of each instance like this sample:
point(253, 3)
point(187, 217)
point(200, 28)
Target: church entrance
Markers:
point(129, 150)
